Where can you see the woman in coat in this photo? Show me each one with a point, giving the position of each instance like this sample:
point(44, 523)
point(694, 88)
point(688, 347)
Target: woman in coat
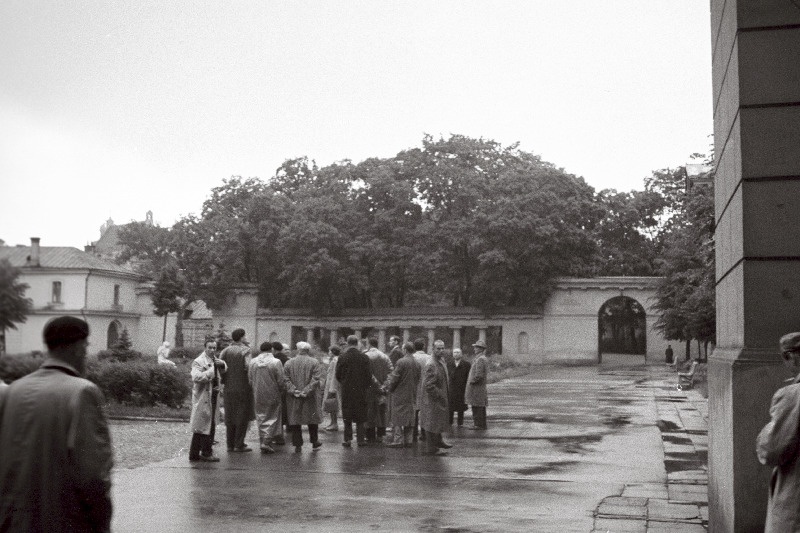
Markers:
point(206, 370)
point(434, 413)
point(402, 385)
point(303, 375)
point(332, 389)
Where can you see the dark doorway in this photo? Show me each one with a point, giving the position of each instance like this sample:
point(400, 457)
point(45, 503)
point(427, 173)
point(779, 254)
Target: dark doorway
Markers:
point(622, 327)
point(113, 334)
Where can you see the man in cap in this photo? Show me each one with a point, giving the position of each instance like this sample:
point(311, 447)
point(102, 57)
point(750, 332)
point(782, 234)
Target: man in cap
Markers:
point(778, 445)
point(55, 447)
point(475, 393)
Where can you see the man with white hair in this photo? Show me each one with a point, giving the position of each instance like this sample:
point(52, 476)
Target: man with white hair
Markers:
point(303, 378)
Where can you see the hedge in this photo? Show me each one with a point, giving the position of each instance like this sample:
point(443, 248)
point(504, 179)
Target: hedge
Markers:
point(133, 382)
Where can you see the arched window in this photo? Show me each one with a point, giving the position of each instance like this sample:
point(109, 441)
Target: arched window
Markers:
point(113, 334)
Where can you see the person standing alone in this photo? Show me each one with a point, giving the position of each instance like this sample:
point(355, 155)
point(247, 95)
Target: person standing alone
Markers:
point(475, 393)
point(206, 369)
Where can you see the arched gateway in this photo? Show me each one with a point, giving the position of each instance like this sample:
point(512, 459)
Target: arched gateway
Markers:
point(622, 327)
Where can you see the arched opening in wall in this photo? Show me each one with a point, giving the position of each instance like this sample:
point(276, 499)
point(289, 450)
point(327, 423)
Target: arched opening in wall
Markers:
point(522, 343)
point(622, 327)
point(112, 335)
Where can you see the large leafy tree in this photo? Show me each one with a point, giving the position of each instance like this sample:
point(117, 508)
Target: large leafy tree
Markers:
point(14, 306)
point(168, 292)
point(685, 297)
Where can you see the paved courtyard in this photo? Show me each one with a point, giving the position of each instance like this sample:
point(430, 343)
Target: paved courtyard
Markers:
point(609, 448)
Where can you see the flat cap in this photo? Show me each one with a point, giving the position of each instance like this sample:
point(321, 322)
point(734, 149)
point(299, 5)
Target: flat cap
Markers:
point(790, 342)
point(64, 330)
point(480, 344)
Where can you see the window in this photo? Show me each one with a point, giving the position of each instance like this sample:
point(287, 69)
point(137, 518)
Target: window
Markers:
point(116, 294)
point(56, 297)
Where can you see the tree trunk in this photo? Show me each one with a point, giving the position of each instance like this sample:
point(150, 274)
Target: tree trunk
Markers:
point(688, 349)
point(179, 327)
point(164, 333)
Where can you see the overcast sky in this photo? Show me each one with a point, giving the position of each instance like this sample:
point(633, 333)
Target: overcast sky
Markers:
point(108, 109)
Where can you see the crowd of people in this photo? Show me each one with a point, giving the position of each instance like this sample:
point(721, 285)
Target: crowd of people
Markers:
point(394, 400)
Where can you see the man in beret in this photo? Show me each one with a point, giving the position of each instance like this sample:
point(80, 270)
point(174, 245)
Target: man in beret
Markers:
point(778, 445)
point(55, 465)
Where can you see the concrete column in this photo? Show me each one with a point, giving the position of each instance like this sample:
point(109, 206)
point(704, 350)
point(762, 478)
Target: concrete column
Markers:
point(334, 336)
point(357, 333)
point(756, 65)
point(310, 336)
point(482, 334)
point(431, 338)
point(406, 334)
point(456, 337)
point(382, 339)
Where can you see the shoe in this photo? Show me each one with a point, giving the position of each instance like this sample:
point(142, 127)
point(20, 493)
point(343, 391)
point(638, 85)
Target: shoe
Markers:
point(362, 444)
point(346, 444)
point(279, 441)
point(331, 428)
point(298, 449)
point(316, 446)
point(445, 445)
point(395, 445)
point(267, 449)
point(438, 453)
point(476, 427)
point(242, 449)
point(207, 459)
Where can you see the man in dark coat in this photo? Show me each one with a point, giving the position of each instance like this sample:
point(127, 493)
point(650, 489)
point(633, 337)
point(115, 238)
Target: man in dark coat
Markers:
point(355, 378)
point(237, 394)
point(396, 353)
point(459, 372)
point(55, 447)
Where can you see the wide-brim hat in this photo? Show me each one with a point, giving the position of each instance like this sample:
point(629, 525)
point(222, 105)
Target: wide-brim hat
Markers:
point(480, 344)
point(790, 342)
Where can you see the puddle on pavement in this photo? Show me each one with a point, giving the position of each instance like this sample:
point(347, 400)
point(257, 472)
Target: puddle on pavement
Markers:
point(574, 443)
point(681, 465)
point(543, 468)
point(674, 439)
point(668, 427)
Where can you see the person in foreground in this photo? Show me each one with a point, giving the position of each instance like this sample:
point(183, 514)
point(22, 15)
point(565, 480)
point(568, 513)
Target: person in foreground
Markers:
point(778, 445)
point(434, 411)
point(303, 376)
point(55, 446)
point(206, 371)
point(268, 382)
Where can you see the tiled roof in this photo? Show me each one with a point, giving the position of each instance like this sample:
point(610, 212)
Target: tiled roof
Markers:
point(60, 257)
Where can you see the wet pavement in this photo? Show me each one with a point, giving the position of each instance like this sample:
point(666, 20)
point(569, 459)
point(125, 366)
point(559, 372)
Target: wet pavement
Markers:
point(608, 448)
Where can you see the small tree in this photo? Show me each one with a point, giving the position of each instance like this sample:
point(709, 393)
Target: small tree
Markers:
point(223, 339)
point(167, 292)
point(124, 342)
point(13, 305)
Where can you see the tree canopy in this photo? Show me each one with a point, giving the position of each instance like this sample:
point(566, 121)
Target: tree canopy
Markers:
point(14, 307)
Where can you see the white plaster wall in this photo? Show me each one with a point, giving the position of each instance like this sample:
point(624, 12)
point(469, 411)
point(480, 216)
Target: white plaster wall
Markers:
point(101, 292)
point(512, 329)
point(570, 338)
point(41, 288)
point(266, 327)
point(149, 330)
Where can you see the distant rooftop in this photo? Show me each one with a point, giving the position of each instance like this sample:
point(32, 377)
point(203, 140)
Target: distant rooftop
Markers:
point(59, 257)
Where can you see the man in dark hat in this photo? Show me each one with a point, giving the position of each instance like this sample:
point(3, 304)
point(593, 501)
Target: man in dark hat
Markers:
point(778, 445)
point(475, 393)
point(55, 465)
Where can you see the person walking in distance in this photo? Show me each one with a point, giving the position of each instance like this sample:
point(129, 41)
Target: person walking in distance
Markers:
point(475, 393)
point(55, 447)
point(237, 393)
point(206, 371)
point(267, 380)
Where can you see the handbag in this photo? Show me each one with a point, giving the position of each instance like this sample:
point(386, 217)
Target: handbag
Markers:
point(331, 404)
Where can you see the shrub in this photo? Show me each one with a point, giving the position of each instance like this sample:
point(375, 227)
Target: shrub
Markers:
point(119, 355)
point(15, 366)
point(185, 353)
point(140, 383)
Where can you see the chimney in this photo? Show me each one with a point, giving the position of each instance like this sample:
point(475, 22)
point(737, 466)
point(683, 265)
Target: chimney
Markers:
point(34, 252)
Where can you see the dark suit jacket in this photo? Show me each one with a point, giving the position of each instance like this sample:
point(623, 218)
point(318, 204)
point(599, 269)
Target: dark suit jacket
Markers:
point(458, 382)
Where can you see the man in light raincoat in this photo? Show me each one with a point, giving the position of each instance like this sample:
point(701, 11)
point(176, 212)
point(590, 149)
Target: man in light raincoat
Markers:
point(267, 381)
point(206, 370)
